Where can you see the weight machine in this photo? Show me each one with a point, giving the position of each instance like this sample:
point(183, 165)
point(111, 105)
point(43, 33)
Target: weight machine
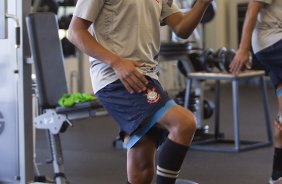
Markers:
point(51, 85)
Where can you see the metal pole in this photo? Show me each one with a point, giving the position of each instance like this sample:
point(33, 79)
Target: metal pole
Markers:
point(266, 109)
point(236, 114)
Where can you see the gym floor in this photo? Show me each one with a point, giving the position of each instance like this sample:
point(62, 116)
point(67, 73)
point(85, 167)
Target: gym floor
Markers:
point(90, 157)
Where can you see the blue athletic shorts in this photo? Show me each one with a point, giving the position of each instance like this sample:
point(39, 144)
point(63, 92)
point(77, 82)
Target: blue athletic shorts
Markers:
point(271, 58)
point(137, 111)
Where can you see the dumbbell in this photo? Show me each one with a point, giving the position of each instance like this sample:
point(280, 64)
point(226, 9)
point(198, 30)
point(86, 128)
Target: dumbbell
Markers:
point(197, 59)
point(64, 21)
point(68, 48)
point(220, 58)
point(208, 60)
point(208, 108)
point(214, 59)
point(229, 55)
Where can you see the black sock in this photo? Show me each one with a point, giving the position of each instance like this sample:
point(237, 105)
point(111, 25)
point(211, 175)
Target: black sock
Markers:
point(277, 164)
point(170, 158)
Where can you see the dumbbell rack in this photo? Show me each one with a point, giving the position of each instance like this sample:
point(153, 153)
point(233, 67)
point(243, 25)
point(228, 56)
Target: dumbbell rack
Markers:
point(212, 144)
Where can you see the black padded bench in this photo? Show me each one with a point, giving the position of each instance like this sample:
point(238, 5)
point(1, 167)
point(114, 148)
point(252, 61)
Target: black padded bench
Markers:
point(51, 84)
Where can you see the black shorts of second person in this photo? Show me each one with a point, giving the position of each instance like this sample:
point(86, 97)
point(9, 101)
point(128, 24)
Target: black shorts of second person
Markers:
point(130, 111)
point(271, 58)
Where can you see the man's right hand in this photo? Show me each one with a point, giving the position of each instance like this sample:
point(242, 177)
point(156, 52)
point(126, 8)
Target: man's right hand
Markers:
point(240, 60)
point(131, 78)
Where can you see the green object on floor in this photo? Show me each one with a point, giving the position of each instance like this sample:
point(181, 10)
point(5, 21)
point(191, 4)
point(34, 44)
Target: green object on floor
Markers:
point(68, 100)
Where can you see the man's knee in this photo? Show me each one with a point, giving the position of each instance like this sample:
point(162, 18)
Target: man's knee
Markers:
point(184, 122)
point(140, 161)
point(142, 176)
point(147, 175)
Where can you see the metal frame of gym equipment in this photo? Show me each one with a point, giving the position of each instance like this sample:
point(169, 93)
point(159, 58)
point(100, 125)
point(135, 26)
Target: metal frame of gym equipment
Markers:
point(180, 52)
point(174, 48)
point(211, 144)
point(15, 110)
point(51, 85)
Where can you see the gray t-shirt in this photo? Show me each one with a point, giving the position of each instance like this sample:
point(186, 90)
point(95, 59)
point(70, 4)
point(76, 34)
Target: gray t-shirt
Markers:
point(129, 28)
point(269, 25)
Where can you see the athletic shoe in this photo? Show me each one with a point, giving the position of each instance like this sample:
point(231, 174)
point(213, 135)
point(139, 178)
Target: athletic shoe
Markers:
point(278, 181)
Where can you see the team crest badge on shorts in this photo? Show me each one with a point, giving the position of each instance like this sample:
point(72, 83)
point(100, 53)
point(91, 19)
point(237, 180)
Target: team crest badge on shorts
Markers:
point(152, 96)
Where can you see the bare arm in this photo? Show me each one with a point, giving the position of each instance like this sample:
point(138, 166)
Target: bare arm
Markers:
point(125, 69)
point(242, 55)
point(79, 35)
point(184, 25)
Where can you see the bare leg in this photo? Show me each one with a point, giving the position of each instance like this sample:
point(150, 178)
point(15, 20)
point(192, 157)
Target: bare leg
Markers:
point(278, 126)
point(141, 161)
point(277, 158)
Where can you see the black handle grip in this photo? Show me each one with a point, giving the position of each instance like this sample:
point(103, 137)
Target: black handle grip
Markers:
point(18, 37)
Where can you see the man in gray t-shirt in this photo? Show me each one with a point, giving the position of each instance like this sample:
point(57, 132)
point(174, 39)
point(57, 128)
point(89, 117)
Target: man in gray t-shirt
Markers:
point(124, 28)
point(263, 28)
point(122, 38)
